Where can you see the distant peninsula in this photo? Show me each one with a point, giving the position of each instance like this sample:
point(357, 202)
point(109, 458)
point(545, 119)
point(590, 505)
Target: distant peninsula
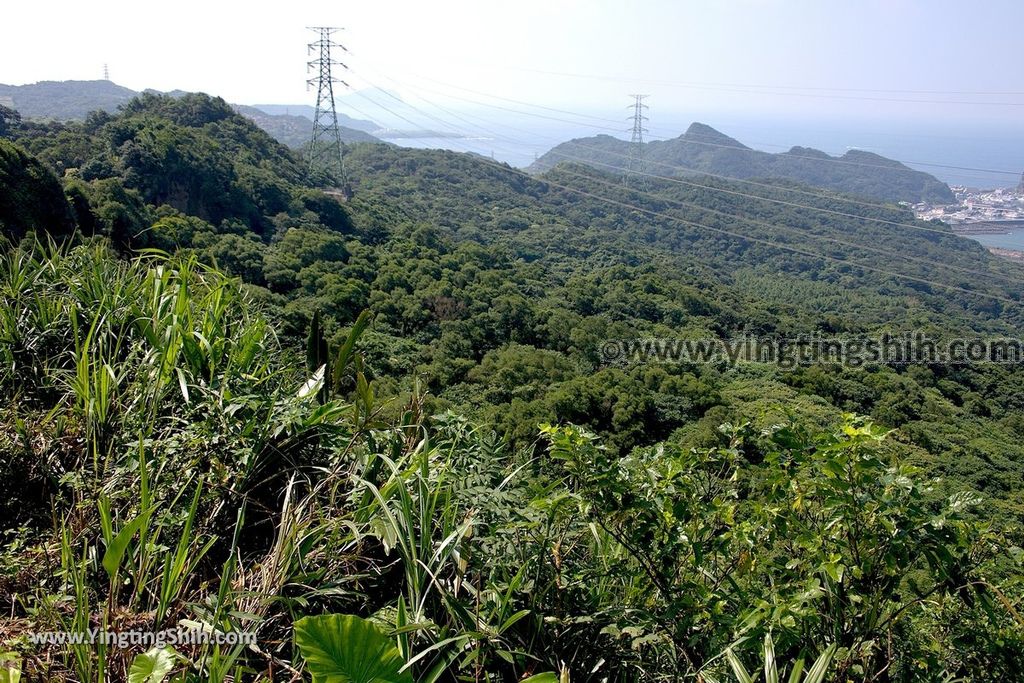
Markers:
point(704, 150)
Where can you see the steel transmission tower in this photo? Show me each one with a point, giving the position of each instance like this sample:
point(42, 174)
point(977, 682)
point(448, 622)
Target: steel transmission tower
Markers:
point(325, 145)
point(635, 168)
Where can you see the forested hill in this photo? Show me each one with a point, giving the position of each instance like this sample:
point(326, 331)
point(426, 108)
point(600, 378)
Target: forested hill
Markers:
point(522, 257)
point(294, 130)
point(163, 156)
point(64, 100)
point(74, 100)
point(702, 149)
point(450, 313)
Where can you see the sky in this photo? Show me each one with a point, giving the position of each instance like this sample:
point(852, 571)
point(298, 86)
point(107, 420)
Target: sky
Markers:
point(935, 81)
point(810, 59)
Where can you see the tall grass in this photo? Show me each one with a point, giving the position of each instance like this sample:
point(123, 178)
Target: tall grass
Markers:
point(202, 478)
point(176, 402)
point(187, 468)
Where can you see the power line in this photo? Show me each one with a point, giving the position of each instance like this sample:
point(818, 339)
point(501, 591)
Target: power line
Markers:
point(673, 135)
point(833, 212)
point(463, 116)
point(415, 124)
point(612, 129)
point(822, 95)
point(422, 112)
point(635, 167)
point(780, 89)
point(375, 103)
point(390, 94)
point(802, 233)
point(325, 150)
point(638, 100)
point(348, 105)
point(460, 117)
point(830, 197)
point(527, 104)
point(830, 159)
point(758, 240)
point(690, 183)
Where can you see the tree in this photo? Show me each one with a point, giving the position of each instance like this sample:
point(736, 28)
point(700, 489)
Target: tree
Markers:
point(9, 120)
point(297, 249)
point(32, 200)
point(826, 542)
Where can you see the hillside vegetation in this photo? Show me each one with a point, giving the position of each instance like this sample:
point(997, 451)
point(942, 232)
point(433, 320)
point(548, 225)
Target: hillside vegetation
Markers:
point(233, 403)
point(32, 201)
point(702, 149)
point(66, 100)
point(75, 100)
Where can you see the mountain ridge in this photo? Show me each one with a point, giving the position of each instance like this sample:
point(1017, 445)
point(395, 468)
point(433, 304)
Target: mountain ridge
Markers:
point(75, 100)
point(705, 150)
point(307, 111)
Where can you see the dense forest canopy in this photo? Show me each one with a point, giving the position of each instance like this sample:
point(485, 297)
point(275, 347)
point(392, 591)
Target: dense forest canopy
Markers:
point(33, 200)
point(233, 399)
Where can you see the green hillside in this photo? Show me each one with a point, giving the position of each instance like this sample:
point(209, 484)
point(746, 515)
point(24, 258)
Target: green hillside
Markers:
point(231, 400)
point(702, 149)
point(75, 100)
point(66, 100)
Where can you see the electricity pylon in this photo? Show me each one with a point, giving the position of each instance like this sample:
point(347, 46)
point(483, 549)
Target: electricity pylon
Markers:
point(635, 167)
point(325, 152)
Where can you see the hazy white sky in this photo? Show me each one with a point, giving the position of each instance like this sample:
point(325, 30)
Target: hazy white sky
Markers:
point(712, 55)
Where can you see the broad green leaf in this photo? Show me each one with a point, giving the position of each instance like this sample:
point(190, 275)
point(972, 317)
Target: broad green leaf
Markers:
point(10, 667)
point(546, 677)
point(152, 666)
point(342, 648)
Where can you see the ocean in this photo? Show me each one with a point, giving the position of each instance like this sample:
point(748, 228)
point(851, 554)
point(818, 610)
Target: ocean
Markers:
point(1011, 240)
point(959, 152)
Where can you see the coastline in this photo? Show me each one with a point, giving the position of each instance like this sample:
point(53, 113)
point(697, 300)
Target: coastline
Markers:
point(1009, 254)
